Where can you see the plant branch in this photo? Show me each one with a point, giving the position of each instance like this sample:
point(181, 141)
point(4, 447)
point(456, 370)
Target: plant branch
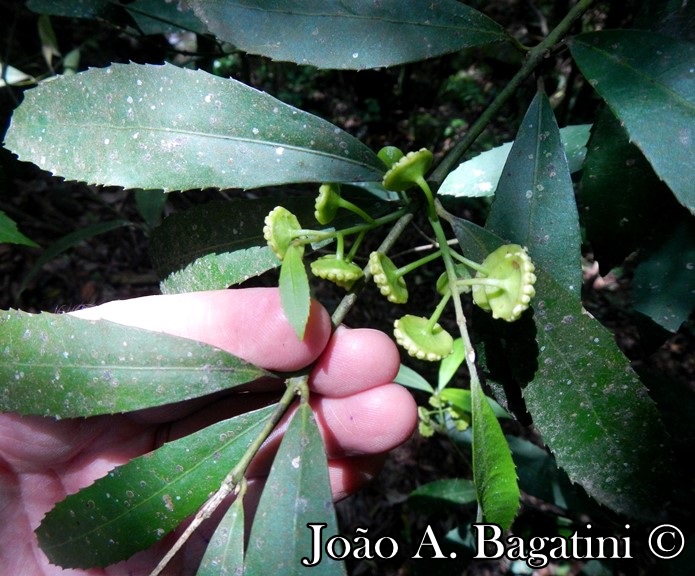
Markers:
point(297, 385)
point(534, 58)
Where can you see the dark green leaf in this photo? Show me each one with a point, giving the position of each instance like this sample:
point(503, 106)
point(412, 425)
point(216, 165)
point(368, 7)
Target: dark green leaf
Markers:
point(71, 8)
point(540, 476)
point(69, 241)
point(480, 175)
point(622, 199)
point(144, 126)
point(450, 364)
point(60, 365)
point(10, 234)
point(356, 35)
point(136, 504)
point(297, 493)
point(664, 283)
point(410, 379)
point(446, 491)
point(150, 205)
point(222, 229)
point(534, 205)
point(294, 289)
point(647, 80)
point(225, 552)
point(589, 406)
point(164, 17)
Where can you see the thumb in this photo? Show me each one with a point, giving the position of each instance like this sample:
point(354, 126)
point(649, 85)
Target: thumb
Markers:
point(248, 323)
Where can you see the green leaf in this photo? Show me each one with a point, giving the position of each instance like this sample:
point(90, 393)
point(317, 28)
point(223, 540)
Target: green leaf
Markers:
point(10, 234)
point(222, 229)
point(460, 398)
point(219, 271)
point(589, 406)
point(446, 492)
point(136, 504)
point(144, 126)
point(150, 205)
point(225, 552)
point(622, 199)
point(664, 283)
point(540, 476)
point(296, 493)
point(411, 379)
point(72, 8)
point(226, 238)
point(162, 17)
point(450, 364)
point(534, 205)
point(69, 241)
point(480, 175)
point(647, 81)
point(356, 35)
point(294, 289)
point(493, 469)
point(60, 365)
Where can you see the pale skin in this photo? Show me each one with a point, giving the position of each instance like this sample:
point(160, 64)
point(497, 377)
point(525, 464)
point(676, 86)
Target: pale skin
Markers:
point(361, 413)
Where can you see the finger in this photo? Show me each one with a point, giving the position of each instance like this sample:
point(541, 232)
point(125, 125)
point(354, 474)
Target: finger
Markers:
point(369, 422)
point(353, 361)
point(348, 475)
point(248, 323)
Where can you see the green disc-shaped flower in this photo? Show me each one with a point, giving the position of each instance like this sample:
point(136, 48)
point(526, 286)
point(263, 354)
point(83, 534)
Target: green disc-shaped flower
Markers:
point(337, 270)
point(327, 203)
point(422, 339)
point(506, 286)
point(386, 277)
point(281, 228)
point(408, 171)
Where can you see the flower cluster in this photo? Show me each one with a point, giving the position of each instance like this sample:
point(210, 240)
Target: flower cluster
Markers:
point(503, 284)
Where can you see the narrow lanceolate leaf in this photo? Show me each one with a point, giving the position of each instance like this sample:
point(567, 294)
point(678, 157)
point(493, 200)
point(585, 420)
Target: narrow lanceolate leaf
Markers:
point(494, 473)
point(297, 493)
point(136, 504)
point(443, 493)
point(294, 290)
point(225, 552)
point(588, 404)
point(534, 205)
point(220, 271)
point(480, 175)
point(10, 234)
point(349, 35)
point(647, 80)
point(143, 126)
point(59, 365)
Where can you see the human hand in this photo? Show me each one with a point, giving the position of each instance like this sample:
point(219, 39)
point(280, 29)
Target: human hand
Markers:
point(361, 415)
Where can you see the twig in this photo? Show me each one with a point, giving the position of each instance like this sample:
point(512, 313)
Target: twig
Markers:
point(296, 385)
point(535, 56)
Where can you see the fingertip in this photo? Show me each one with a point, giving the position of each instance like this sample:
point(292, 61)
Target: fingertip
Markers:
point(355, 360)
point(249, 323)
point(369, 422)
